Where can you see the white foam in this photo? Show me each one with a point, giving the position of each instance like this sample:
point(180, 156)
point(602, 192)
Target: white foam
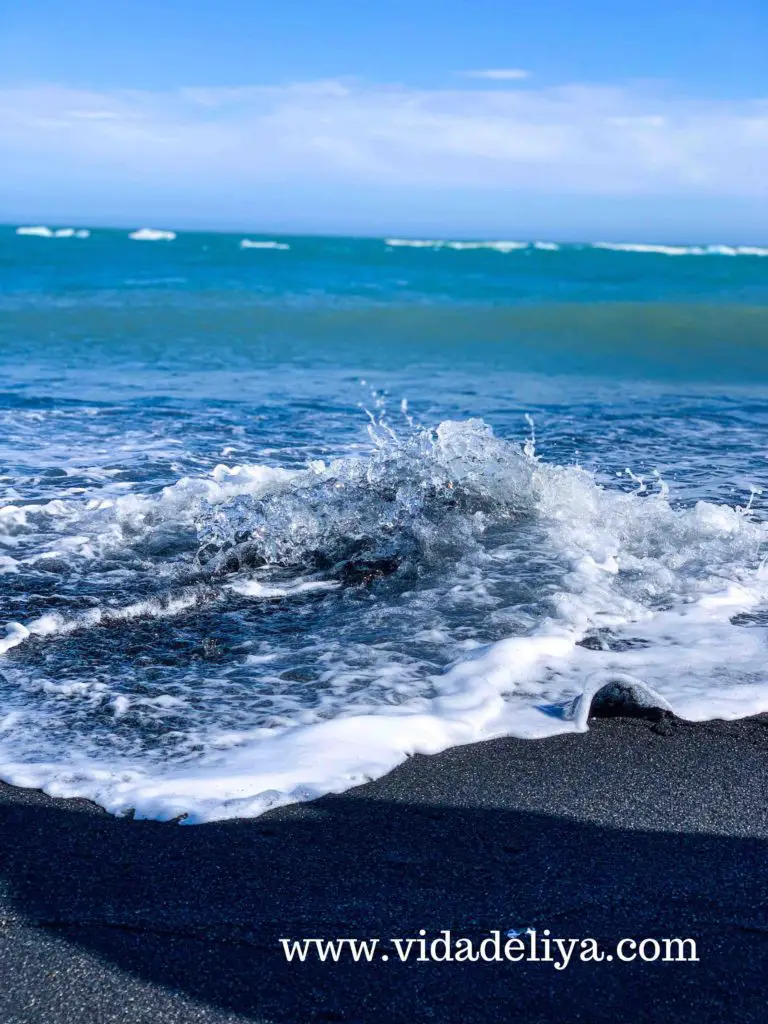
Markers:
point(178, 500)
point(664, 250)
point(58, 625)
point(683, 250)
point(497, 246)
point(663, 584)
point(496, 692)
point(39, 231)
point(415, 243)
point(412, 243)
point(248, 243)
point(254, 588)
point(8, 564)
point(152, 235)
point(15, 517)
point(44, 232)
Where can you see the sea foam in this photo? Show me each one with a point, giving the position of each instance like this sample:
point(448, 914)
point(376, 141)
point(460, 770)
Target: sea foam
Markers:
point(152, 235)
point(684, 250)
point(44, 232)
point(248, 243)
point(497, 246)
point(445, 587)
point(629, 247)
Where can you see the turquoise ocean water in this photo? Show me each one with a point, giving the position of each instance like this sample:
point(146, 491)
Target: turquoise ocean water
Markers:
point(277, 511)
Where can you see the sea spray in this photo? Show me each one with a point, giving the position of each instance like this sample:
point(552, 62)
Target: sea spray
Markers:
point(272, 634)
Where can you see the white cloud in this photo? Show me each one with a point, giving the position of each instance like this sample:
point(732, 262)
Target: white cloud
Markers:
point(575, 139)
point(499, 74)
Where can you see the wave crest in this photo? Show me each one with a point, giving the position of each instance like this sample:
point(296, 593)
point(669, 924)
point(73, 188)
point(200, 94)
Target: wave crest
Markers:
point(412, 501)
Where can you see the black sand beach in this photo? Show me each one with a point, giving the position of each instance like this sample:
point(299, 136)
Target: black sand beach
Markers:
point(638, 828)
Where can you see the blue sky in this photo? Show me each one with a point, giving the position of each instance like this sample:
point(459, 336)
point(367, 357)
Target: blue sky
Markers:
point(640, 121)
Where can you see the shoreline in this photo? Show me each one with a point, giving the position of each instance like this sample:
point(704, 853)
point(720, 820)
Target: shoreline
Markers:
point(640, 827)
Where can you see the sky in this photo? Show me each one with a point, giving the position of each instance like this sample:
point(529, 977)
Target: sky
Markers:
point(562, 119)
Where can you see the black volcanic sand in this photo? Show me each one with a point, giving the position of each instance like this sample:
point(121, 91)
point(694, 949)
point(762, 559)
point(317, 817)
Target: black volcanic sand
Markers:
point(638, 828)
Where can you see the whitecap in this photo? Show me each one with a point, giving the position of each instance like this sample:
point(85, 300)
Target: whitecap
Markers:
point(683, 250)
point(642, 247)
point(412, 243)
point(415, 243)
point(248, 243)
point(39, 231)
point(45, 232)
point(152, 235)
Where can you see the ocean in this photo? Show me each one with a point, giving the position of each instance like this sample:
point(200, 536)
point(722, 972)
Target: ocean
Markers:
point(278, 512)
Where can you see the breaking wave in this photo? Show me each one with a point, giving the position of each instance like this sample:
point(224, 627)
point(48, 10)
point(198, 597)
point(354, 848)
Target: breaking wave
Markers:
point(41, 231)
point(249, 243)
point(152, 235)
point(415, 243)
point(632, 247)
point(261, 635)
point(684, 250)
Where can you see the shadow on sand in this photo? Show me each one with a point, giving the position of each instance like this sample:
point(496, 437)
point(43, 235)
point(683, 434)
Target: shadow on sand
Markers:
point(102, 918)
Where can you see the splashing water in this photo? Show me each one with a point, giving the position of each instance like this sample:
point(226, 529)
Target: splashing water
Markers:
point(257, 634)
point(410, 505)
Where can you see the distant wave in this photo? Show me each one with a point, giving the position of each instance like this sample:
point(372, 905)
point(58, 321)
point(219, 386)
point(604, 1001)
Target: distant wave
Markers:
point(43, 232)
point(152, 235)
point(151, 282)
point(636, 247)
point(248, 243)
point(436, 243)
point(684, 250)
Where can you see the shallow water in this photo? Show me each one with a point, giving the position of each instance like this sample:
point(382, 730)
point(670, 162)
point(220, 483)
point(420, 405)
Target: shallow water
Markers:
point(274, 517)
